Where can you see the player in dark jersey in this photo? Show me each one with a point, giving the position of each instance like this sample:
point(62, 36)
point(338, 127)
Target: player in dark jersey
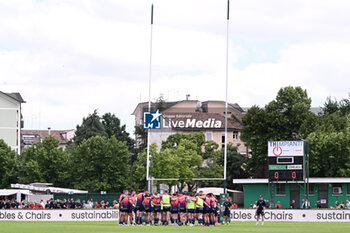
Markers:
point(260, 209)
point(227, 213)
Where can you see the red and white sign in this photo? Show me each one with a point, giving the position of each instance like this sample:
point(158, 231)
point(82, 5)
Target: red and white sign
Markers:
point(286, 148)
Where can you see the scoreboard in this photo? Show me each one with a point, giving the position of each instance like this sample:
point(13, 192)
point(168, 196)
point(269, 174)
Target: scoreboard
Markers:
point(286, 160)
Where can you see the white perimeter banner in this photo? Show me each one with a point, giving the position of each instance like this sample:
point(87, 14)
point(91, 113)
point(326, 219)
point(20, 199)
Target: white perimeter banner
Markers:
point(313, 215)
point(274, 215)
point(60, 215)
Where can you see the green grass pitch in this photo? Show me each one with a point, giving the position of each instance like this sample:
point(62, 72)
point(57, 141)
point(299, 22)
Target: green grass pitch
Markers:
point(109, 227)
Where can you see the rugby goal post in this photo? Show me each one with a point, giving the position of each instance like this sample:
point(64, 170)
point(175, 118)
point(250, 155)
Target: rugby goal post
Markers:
point(148, 178)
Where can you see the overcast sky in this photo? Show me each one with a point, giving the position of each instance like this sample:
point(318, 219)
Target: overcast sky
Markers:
point(69, 57)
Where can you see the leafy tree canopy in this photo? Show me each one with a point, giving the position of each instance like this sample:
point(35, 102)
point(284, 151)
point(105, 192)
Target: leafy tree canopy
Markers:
point(8, 164)
point(288, 113)
point(101, 164)
point(46, 162)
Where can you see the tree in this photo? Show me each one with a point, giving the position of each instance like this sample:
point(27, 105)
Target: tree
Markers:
point(329, 152)
point(180, 161)
point(236, 166)
point(174, 140)
point(8, 164)
point(190, 156)
point(160, 103)
point(288, 113)
point(102, 164)
point(46, 162)
point(181, 156)
point(139, 169)
point(329, 143)
point(141, 134)
point(113, 127)
point(332, 106)
point(90, 127)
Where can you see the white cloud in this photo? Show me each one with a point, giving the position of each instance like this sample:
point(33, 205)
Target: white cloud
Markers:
point(68, 58)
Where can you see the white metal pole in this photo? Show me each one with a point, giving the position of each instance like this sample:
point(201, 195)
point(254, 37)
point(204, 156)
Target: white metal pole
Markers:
point(149, 99)
point(226, 92)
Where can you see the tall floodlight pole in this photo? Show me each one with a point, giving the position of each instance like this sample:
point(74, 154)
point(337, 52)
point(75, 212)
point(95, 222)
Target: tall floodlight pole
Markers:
point(149, 101)
point(226, 93)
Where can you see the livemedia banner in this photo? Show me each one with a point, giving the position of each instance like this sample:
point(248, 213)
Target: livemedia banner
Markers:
point(60, 215)
point(285, 215)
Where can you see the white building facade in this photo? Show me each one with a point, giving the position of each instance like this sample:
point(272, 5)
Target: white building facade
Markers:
point(11, 121)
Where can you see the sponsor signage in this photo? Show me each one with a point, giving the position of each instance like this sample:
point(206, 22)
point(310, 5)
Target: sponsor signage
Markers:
point(295, 167)
point(313, 215)
point(286, 167)
point(286, 148)
point(286, 159)
point(157, 120)
point(60, 215)
point(277, 167)
point(286, 215)
point(189, 121)
point(152, 120)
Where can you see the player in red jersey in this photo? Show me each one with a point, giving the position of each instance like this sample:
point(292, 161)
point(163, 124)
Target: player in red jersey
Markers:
point(213, 202)
point(174, 202)
point(147, 201)
point(206, 209)
point(121, 209)
point(182, 205)
point(126, 209)
point(156, 208)
point(139, 207)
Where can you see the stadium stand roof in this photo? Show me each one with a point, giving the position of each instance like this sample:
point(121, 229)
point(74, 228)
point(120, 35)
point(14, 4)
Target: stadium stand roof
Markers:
point(44, 187)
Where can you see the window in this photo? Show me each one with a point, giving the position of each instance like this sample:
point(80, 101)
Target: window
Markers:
point(235, 135)
point(348, 189)
point(337, 189)
point(223, 139)
point(209, 135)
point(228, 114)
point(281, 189)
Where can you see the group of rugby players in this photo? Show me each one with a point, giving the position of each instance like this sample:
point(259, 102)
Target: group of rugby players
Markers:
point(177, 209)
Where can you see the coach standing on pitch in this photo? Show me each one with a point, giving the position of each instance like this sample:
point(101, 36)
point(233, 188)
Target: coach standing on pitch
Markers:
point(260, 209)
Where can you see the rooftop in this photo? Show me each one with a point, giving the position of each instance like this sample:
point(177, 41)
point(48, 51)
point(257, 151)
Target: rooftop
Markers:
point(61, 135)
point(167, 105)
point(40, 187)
point(14, 95)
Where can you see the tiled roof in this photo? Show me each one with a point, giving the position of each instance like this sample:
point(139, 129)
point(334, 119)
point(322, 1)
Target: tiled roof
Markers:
point(61, 135)
point(166, 105)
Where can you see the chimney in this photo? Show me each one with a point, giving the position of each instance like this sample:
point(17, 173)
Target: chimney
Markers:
point(49, 129)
